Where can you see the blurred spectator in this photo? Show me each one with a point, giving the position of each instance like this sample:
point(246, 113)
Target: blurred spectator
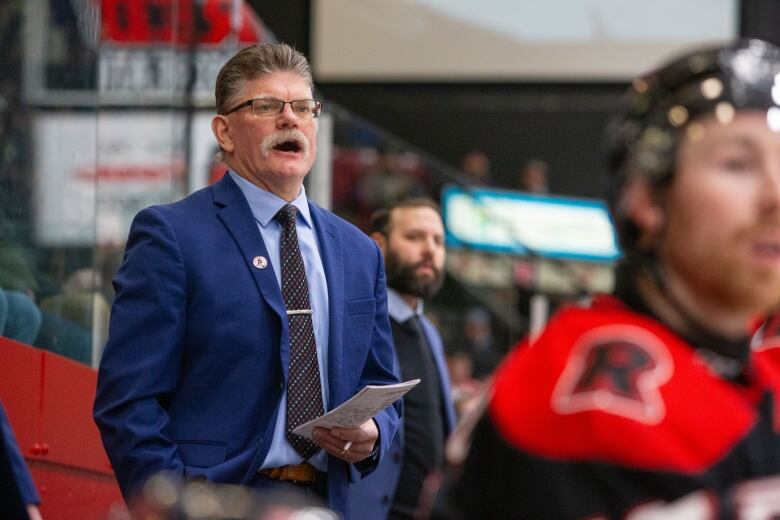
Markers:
point(387, 183)
point(533, 177)
point(368, 178)
point(478, 341)
point(476, 165)
point(20, 319)
point(59, 322)
point(465, 387)
point(349, 166)
point(15, 271)
point(81, 303)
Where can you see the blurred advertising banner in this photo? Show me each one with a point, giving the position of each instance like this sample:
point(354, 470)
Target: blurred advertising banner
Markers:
point(523, 224)
point(133, 52)
point(487, 269)
point(91, 179)
point(211, 22)
point(151, 49)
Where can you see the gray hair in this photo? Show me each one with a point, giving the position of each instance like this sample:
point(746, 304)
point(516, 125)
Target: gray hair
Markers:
point(255, 61)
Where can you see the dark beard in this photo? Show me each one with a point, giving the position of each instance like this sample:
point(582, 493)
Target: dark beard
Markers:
point(404, 280)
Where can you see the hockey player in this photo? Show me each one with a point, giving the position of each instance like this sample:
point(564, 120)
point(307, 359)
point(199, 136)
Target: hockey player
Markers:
point(650, 403)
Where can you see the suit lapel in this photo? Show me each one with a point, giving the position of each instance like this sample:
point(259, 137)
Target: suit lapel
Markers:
point(437, 349)
point(235, 214)
point(331, 252)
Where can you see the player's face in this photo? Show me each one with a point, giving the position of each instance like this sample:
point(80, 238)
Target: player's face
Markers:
point(722, 232)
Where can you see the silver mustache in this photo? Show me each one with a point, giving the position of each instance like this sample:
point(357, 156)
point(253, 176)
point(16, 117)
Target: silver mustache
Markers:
point(288, 134)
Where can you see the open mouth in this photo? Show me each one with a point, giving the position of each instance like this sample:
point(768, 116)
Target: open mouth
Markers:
point(288, 146)
point(767, 248)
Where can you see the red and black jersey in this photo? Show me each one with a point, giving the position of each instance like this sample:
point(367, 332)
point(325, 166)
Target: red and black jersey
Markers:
point(610, 414)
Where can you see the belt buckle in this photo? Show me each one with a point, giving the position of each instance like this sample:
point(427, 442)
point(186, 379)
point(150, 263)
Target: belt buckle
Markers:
point(304, 466)
point(305, 482)
point(289, 472)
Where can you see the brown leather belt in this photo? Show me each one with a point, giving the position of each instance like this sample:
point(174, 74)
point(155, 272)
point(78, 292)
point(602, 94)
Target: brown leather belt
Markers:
point(295, 473)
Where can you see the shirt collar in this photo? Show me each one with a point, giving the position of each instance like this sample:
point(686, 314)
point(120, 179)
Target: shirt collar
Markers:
point(398, 309)
point(265, 205)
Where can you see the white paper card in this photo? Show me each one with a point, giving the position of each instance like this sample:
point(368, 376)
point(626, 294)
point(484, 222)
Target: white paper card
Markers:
point(362, 407)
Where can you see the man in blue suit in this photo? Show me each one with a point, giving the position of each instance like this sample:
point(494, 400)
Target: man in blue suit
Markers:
point(411, 236)
point(205, 345)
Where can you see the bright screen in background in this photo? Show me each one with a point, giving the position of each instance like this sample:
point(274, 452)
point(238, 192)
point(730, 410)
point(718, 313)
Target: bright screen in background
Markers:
point(511, 40)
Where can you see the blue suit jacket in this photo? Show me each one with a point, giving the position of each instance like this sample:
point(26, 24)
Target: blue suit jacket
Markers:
point(198, 348)
point(370, 498)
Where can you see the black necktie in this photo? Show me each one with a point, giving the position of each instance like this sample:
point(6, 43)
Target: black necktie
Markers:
point(304, 396)
point(414, 327)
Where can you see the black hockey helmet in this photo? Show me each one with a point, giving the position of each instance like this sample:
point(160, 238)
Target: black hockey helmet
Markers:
point(661, 106)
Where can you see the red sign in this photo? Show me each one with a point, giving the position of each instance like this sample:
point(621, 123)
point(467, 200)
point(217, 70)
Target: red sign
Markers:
point(178, 21)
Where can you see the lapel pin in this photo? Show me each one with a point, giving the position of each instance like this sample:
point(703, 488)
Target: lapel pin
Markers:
point(260, 262)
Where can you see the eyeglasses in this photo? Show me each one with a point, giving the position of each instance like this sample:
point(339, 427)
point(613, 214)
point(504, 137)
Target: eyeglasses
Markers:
point(267, 107)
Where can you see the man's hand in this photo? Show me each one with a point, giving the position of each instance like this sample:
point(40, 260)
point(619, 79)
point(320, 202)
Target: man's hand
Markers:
point(348, 444)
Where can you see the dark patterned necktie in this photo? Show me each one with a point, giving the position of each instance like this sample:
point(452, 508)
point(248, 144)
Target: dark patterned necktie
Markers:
point(304, 396)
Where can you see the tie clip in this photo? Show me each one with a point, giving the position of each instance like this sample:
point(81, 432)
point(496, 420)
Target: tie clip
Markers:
point(294, 312)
